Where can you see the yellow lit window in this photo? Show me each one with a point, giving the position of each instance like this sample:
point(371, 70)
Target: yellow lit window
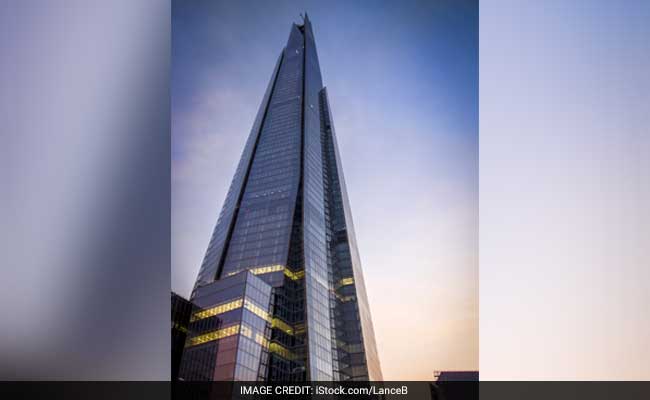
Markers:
point(278, 323)
point(345, 282)
point(281, 350)
point(233, 305)
point(255, 309)
point(267, 269)
point(215, 335)
point(345, 298)
point(220, 309)
point(246, 331)
point(300, 328)
point(273, 268)
point(260, 339)
point(180, 327)
point(294, 275)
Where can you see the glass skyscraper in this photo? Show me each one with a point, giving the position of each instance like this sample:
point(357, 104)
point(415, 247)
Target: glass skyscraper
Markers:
point(280, 294)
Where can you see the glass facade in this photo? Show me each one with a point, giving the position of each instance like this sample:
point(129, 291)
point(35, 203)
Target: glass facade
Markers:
point(263, 227)
point(280, 294)
point(354, 333)
point(229, 331)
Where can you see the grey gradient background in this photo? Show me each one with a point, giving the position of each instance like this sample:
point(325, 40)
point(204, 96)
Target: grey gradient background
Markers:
point(84, 203)
point(564, 190)
point(85, 173)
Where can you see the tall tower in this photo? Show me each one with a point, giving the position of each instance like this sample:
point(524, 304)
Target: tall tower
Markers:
point(280, 294)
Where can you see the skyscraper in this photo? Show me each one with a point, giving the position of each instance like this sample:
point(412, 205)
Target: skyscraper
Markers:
point(280, 294)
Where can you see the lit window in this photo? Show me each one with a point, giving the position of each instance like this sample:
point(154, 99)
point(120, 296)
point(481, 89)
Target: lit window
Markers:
point(294, 275)
point(220, 309)
point(246, 331)
point(215, 335)
point(345, 298)
point(281, 351)
point(278, 323)
point(273, 268)
point(345, 282)
point(260, 339)
point(257, 310)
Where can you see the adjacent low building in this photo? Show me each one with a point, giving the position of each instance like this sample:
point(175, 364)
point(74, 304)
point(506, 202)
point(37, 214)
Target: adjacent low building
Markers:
point(454, 376)
point(181, 310)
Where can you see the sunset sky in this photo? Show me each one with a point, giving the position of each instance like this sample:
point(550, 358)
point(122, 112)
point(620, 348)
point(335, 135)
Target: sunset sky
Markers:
point(403, 85)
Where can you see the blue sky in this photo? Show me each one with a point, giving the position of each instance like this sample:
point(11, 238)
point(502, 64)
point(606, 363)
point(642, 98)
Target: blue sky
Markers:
point(403, 84)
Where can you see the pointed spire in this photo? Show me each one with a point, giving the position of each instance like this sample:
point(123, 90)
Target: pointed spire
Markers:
point(306, 23)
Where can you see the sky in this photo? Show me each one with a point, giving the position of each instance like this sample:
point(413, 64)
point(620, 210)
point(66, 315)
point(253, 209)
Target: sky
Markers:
point(565, 188)
point(403, 85)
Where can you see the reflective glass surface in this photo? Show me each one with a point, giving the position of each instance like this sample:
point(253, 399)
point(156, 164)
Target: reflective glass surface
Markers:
point(216, 247)
point(228, 337)
point(316, 269)
point(263, 228)
point(280, 294)
point(358, 347)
